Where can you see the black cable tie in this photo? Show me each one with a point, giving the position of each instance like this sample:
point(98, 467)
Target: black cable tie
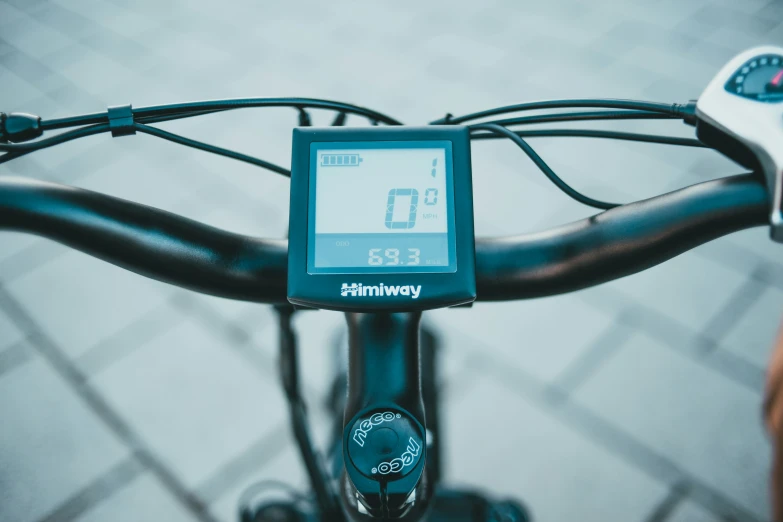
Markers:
point(121, 120)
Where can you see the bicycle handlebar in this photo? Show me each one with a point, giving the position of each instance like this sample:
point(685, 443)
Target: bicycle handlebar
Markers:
point(618, 242)
point(183, 252)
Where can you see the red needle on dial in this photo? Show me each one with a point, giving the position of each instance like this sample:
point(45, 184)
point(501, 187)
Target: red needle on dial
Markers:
point(778, 77)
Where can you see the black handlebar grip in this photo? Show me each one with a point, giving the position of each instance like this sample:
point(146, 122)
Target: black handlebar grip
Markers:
point(619, 242)
point(148, 241)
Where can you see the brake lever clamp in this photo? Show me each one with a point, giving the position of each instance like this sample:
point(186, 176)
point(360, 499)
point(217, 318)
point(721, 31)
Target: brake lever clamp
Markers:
point(740, 114)
point(384, 450)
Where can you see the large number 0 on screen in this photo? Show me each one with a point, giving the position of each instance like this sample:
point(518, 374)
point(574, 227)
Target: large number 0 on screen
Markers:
point(430, 198)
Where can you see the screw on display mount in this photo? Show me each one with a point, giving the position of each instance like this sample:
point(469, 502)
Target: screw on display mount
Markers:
point(384, 450)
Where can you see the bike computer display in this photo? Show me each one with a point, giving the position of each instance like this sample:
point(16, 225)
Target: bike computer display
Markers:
point(740, 114)
point(381, 219)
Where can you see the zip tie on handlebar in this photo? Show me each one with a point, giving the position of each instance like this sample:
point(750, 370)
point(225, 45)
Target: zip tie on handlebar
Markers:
point(121, 120)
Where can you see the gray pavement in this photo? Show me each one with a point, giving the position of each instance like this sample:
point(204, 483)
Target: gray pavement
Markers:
point(126, 399)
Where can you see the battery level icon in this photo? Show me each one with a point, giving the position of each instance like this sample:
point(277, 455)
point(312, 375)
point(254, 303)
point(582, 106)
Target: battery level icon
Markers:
point(340, 160)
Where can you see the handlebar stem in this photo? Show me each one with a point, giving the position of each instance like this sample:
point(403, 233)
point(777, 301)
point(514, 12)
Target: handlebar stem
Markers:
point(383, 363)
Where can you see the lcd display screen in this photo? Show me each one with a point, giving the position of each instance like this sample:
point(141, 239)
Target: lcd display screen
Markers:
point(381, 207)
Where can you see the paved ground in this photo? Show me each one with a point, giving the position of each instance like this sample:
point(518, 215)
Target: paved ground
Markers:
point(126, 399)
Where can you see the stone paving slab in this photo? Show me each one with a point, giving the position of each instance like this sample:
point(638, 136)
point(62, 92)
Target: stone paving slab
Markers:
point(143, 499)
point(709, 427)
point(196, 402)
point(559, 473)
point(81, 301)
point(52, 445)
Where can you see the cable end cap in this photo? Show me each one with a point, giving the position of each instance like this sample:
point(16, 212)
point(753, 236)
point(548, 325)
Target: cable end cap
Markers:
point(18, 127)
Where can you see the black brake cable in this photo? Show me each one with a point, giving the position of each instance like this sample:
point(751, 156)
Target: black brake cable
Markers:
point(171, 117)
point(541, 164)
point(98, 117)
point(590, 133)
point(581, 116)
point(15, 150)
point(155, 113)
point(676, 110)
point(176, 138)
point(298, 103)
point(138, 118)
